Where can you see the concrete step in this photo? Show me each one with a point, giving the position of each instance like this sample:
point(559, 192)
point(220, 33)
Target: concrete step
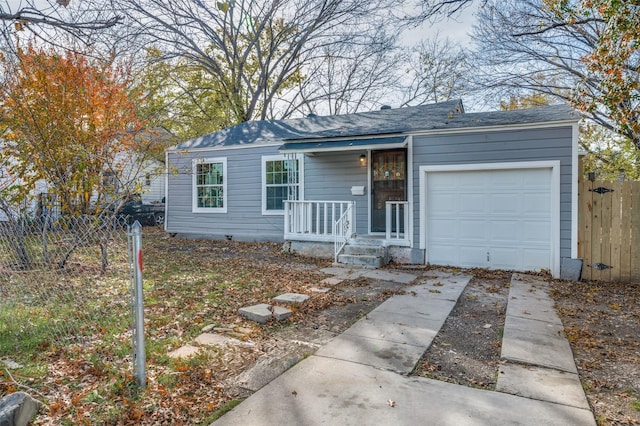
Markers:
point(362, 260)
point(361, 241)
point(359, 249)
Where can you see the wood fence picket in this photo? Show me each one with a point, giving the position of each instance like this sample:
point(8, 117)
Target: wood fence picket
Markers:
point(609, 230)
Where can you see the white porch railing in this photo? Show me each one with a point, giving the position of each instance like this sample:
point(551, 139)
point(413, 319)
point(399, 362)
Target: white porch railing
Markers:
point(398, 226)
point(316, 220)
point(343, 230)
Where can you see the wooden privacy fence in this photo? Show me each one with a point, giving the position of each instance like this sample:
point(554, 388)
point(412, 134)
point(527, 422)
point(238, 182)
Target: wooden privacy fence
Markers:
point(609, 230)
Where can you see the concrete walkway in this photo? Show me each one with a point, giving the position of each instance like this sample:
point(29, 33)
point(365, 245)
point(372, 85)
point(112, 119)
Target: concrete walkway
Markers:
point(361, 377)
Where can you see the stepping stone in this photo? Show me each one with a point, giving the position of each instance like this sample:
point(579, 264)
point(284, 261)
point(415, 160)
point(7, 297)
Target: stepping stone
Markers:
point(11, 364)
point(336, 270)
point(321, 290)
point(280, 313)
point(213, 339)
point(184, 352)
point(331, 281)
point(208, 328)
point(262, 313)
point(259, 313)
point(291, 298)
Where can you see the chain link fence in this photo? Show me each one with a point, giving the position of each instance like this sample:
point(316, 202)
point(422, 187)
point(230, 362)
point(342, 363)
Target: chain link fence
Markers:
point(66, 287)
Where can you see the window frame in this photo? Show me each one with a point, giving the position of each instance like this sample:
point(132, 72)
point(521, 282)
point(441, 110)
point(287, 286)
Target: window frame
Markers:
point(194, 185)
point(280, 157)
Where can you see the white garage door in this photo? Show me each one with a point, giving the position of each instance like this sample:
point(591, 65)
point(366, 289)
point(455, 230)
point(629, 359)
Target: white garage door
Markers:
point(498, 219)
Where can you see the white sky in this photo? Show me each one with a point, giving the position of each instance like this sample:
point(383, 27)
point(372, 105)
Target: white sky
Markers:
point(457, 28)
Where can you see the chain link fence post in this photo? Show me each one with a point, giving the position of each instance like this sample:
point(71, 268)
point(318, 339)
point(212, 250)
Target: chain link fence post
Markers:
point(139, 352)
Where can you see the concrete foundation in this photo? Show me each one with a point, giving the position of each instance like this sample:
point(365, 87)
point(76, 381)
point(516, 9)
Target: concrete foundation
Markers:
point(570, 269)
point(310, 248)
point(324, 250)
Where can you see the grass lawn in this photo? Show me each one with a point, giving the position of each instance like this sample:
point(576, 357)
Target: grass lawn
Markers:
point(71, 332)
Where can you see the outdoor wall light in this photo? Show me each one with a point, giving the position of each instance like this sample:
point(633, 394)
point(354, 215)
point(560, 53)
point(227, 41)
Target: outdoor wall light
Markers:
point(363, 159)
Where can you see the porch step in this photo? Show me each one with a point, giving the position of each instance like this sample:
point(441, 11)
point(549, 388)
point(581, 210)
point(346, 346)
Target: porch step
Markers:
point(362, 260)
point(365, 252)
point(372, 250)
point(370, 242)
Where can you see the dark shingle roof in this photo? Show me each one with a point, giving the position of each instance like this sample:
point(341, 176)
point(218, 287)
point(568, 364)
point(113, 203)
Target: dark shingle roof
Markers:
point(443, 115)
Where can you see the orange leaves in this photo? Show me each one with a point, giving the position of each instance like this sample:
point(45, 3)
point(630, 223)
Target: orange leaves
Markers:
point(70, 116)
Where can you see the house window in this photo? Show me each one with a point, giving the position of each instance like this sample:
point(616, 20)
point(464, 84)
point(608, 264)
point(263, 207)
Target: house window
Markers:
point(147, 179)
point(281, 180)
point(209, 185)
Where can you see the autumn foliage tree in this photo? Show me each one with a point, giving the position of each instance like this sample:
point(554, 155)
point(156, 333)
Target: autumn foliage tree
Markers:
point(614, 60)
point(583, 52)
point(68, 120)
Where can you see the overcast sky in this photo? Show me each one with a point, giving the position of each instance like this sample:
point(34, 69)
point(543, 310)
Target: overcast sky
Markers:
point(457, 28)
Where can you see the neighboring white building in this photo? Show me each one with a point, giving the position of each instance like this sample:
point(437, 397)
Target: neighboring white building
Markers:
point(148, 178)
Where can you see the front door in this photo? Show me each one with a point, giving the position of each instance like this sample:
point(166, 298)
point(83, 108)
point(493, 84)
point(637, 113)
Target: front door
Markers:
point(388, 183)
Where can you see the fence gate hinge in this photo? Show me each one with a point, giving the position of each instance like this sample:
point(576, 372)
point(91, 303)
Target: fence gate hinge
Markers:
point(601, 190)
point(600, 266)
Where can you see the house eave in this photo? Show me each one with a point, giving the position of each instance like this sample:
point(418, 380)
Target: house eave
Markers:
point(343, 144)
point(495, 128)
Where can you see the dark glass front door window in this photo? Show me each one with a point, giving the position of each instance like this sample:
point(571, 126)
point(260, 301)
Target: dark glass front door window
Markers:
point(389, 183)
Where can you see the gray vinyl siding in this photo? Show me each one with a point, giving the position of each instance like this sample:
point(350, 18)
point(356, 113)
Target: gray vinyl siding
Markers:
point(331, 176)
point(542, 144)
point(243, 220)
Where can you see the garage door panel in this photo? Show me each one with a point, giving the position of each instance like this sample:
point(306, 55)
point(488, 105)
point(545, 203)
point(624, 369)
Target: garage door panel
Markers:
point(443, 204)
point(444, 183)
point(533, 258)
point(508, 181)
point(536, 232)
point(505, 257)
point(537, 204)
point(466, 180)
point(443, 229)
point(445, 254)
point(472, 204)
point(490, 218)
point(472, 256)
point(505, 231)
point(507, 204)
point(471, 230)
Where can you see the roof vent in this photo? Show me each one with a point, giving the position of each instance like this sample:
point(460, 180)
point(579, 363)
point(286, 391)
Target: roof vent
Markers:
point(385, 107)
point(311, 115)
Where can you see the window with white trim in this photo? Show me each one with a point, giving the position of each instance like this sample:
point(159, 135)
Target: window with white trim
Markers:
point(210, 185)
point(281, 181)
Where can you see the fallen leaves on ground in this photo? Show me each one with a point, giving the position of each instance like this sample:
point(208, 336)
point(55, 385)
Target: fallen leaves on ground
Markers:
point(601, 321)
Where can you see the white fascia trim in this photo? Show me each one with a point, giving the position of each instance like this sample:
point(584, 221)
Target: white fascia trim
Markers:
point(497, 128)
point(554, 165)
point(194, 190)
point(263, 186)
point(342, 138)
point(575, 148)
point(373, 147)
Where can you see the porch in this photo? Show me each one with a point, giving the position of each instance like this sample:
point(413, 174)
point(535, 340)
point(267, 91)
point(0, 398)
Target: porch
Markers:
point(334, 222)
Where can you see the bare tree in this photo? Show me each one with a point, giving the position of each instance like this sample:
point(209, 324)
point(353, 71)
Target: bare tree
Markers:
point(434, 10)
point(40, 17)
point(525, 47)
point(436, 70)
point(347, 78)
point(258, 49)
